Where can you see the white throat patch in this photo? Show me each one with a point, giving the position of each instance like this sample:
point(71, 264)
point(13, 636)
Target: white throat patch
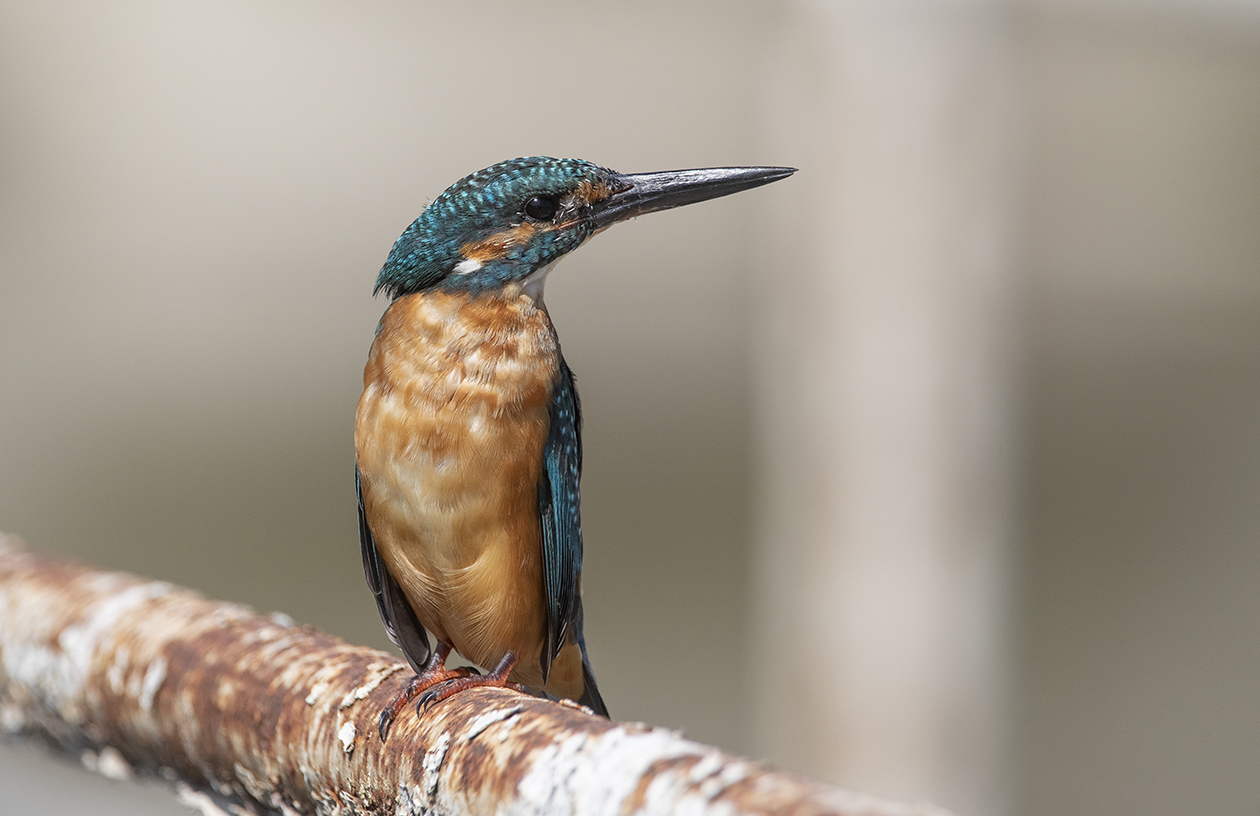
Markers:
point(532, 287)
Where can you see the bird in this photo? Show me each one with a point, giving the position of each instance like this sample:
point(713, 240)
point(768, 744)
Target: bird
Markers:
point(468, 451)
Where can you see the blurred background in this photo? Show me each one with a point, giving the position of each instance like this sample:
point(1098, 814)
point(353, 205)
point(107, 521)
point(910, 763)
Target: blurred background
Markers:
point(933, 471)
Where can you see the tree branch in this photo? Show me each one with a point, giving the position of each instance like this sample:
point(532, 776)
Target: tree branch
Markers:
point(252, 714)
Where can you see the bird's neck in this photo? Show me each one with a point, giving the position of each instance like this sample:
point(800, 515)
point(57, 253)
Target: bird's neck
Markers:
point(501, 337)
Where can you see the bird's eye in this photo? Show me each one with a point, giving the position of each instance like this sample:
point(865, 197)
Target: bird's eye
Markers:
point(542, 208)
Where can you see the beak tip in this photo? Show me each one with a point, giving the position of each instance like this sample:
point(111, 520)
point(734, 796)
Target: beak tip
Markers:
point(778, 173)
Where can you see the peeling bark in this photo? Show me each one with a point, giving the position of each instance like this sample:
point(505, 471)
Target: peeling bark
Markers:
point(247, 713)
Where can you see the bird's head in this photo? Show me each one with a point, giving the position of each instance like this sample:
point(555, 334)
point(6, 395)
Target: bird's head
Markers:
point(507, 223)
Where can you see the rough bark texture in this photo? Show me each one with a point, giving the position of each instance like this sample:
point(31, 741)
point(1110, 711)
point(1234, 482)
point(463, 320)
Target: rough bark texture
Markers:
point(252, 714)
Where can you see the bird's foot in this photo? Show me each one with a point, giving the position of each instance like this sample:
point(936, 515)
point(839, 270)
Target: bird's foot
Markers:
point(438, 693)
point(431, 676)
point(498, 678)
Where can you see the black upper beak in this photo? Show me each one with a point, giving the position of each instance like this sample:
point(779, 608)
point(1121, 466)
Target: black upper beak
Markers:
point(649, 192)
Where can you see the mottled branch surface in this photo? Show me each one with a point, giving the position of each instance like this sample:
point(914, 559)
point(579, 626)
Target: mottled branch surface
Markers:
point(247, 713)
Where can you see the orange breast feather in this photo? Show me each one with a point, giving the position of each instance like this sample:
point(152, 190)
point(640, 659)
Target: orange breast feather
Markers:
point(449, 438)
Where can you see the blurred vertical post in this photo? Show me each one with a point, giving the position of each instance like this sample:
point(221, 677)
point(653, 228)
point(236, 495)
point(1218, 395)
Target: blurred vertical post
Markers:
point(883, 372)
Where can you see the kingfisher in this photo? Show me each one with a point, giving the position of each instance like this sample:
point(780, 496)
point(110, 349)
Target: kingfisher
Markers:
point(468, 445)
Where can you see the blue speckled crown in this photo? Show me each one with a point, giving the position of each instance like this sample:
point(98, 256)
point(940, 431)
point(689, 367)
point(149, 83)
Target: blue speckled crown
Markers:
point(478, 207)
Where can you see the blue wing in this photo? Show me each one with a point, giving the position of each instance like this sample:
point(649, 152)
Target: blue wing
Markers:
point(559, 515)
point(401, 623)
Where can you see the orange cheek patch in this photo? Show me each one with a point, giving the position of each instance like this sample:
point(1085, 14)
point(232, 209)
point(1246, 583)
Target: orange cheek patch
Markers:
point(494, 247)
point(586, 193)
point(592, 192)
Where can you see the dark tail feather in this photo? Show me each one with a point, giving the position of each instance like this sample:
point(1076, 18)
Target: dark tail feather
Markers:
point(590, 692)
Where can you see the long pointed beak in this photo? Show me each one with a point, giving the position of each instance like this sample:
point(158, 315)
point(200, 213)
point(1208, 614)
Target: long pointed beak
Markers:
point(643, 193)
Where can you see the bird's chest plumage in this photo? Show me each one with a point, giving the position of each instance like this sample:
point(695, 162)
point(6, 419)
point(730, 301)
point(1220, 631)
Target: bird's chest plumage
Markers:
point(449, 439)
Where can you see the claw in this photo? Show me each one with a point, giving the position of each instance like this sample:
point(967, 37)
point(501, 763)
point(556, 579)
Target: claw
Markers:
point(425, 700)
point(383, 724)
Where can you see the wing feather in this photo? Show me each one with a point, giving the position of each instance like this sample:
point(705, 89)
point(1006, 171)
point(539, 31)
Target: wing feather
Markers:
point(401, 623)
point(559, 515)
